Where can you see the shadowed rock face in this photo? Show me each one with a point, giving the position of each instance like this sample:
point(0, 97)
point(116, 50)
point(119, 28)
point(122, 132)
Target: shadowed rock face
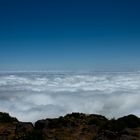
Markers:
point(75, 126)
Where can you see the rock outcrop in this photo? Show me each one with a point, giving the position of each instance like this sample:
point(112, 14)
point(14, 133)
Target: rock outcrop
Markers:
point(75, 126)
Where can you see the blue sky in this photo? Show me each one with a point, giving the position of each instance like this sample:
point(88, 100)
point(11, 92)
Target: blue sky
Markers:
point(70, 35)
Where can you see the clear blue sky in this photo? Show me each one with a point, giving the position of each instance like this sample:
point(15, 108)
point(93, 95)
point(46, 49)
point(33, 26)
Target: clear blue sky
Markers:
point(70, 35)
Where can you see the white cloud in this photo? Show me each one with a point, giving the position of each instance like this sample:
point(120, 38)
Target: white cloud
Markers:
point(35, 96)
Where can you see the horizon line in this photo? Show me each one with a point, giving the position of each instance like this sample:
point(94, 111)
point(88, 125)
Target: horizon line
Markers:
point(66, 71)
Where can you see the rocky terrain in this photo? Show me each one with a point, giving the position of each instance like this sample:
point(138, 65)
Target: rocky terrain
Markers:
point(75, 126)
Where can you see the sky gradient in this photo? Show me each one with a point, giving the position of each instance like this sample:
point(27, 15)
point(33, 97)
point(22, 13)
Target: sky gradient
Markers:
point(70, 35)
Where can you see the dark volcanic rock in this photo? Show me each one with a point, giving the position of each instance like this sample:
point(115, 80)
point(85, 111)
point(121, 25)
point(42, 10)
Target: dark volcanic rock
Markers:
point(5, 117)
point(24, 127)
point(42, 124)
point(75, 126)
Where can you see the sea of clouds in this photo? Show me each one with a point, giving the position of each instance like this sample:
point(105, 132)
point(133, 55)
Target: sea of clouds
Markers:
point(33, 96)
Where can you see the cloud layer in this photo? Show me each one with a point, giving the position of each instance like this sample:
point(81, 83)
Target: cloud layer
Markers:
point(32, 96)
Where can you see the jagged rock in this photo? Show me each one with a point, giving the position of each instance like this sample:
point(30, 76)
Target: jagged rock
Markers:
point(107, 135)
point(75, 126)
point(24, 127)
point(42, 124)
point(5, 117)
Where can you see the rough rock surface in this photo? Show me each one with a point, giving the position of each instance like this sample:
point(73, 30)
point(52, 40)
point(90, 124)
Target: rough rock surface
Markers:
point(75, 126)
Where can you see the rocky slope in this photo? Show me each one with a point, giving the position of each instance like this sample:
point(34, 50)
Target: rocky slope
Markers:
point(75, 126)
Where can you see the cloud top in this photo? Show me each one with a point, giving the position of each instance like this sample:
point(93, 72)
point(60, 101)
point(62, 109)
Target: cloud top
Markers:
point(42, 95)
